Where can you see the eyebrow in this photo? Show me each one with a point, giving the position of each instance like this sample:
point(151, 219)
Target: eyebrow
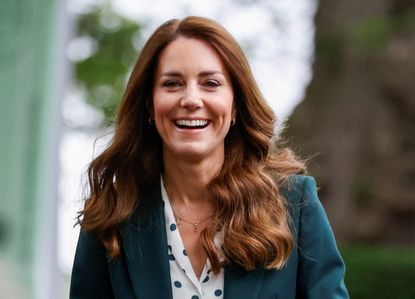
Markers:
point(202, 74)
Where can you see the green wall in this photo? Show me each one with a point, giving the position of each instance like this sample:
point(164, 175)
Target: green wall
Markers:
point(29, 130)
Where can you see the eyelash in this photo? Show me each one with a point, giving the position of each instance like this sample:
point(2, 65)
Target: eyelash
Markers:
point(213, 83)
point(208, 83)
point(171, 83)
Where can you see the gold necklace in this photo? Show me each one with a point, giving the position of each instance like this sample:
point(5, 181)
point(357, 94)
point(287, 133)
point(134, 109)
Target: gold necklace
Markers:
point(180, 219)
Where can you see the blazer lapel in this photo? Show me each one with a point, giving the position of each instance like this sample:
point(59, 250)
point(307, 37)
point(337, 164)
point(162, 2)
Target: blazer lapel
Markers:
point(240, 283)
point(144, 242)
point(145, 247)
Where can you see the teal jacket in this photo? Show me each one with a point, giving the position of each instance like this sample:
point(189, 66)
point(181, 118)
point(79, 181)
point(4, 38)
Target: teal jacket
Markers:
point(314, 270)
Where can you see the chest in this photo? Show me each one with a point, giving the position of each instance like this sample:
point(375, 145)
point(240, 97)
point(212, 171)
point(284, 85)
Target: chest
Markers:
point(193, 248)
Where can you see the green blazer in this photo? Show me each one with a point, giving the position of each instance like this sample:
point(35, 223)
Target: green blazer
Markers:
point(314, 269)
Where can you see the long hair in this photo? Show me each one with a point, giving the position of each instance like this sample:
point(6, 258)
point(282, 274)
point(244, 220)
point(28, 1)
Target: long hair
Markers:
point(245, 195)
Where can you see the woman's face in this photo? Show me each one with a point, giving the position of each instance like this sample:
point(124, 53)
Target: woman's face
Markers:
point(192, 100)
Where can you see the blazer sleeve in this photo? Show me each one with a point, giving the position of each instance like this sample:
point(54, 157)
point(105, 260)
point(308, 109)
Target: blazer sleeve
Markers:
point(321, 269)
point(90, 275)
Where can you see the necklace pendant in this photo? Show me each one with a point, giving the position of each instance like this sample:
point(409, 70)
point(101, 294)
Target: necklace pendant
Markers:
point(195, 227)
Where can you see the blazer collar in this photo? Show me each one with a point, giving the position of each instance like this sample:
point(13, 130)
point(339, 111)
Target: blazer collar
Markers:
point(144, 242)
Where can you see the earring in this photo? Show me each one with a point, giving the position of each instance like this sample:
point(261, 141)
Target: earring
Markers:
point(150, 121)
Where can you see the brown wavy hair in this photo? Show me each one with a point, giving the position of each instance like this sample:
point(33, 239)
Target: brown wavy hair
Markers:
point(251, 211)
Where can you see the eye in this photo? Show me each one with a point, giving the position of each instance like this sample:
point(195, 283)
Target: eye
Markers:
point(212, 83)
point(171, 83)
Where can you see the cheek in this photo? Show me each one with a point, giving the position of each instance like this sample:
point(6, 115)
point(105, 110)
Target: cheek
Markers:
point(226, 108)
point(229, 104)
point(160, 107)
point(222, 105)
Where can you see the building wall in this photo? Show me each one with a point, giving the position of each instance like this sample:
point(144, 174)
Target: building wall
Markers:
point(31, 77)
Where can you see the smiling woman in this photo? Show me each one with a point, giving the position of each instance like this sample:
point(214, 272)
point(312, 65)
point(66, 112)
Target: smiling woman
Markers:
point(192, 199)
point(192, 102)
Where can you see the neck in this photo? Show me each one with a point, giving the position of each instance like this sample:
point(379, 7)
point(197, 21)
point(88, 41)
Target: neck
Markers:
point(186, 181)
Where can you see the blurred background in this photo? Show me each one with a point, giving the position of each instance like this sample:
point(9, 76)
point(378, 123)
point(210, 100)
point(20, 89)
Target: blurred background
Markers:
point(339, 74)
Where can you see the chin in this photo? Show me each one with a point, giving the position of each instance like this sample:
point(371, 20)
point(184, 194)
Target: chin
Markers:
point(191, 153)
point(194, 150)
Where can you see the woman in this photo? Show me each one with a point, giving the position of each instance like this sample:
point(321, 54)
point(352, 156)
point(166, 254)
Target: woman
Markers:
point(191, 199)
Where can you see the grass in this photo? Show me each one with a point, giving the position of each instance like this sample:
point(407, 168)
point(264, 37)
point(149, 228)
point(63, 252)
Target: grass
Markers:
point(379, 272)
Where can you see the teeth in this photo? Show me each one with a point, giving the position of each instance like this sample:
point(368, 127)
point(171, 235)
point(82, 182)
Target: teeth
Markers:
point(192, 123)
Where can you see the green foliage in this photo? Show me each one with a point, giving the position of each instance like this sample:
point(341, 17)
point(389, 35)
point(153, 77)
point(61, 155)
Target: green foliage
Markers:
point(103, 75)
point(381, 273)
point(371, 35)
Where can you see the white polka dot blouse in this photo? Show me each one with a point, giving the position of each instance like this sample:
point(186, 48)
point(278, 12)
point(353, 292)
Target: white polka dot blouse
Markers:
point(185, 284)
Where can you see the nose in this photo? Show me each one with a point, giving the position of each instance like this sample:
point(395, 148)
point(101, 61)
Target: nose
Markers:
point(191, 99)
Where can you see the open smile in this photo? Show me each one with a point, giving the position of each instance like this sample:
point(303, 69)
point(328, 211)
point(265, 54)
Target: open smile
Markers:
point(192, 123)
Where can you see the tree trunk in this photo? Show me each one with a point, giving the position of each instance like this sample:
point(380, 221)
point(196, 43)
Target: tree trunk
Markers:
point(358, 118)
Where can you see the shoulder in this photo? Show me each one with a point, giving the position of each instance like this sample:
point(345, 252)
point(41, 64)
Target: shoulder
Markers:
point(307, 213)
point(299, 190)
point(320, 268)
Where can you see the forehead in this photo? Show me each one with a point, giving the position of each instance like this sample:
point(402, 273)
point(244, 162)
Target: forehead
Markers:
point(189, 54)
